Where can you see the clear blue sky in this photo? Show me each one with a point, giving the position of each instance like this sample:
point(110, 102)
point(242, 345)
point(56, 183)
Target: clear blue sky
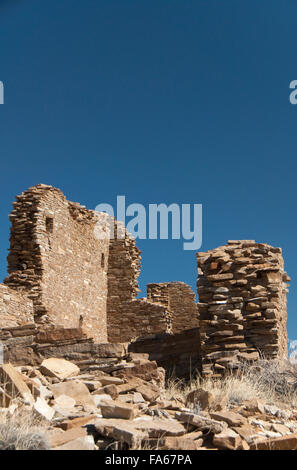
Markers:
point(182, 101)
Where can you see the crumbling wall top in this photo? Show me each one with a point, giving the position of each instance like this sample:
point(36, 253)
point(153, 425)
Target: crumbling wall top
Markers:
point(242, 304)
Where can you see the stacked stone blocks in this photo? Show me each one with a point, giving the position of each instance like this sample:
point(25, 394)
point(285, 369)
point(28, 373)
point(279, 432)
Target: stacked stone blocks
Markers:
point(242, 291)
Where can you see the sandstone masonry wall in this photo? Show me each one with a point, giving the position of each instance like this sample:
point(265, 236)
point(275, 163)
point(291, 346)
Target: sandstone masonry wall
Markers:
point(127, 317)
point(72, 278)
point(179, 354)
point(179, 300)
point(15, 308)
point(55, 257)
point(242, 304)
point(67, 288)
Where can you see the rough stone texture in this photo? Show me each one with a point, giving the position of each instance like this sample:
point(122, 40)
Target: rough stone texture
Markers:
point(242, 304)
point(179, 300)
point(15, 308)
point(14, 383)
point(77, 424)
point(129, 318)
point(117, 409)
point(55, 257)
point(67, 290)
point(62, 276)
point(59, 368)
point(227, 439)
point(179, 354)
point(280, 443)
point(200, 397)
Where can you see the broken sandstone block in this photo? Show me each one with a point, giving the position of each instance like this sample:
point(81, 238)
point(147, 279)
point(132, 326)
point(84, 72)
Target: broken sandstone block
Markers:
point(279, 443)
point(120, 430)
point(180, 443)
point(63, 401)
point(81, 443)
point(203, 397)
point(14, 385)
point(43, 409)
point(76, 390)
point(201, 422)
point(59, 368)
point(231, 418)
point(149, 392)
point(147, 371)
point(156, 428)
point(109, 380)
point(117, 409)
point(58, 438)
point(227, 439)
point(77, 422)
point(254, 406)
point(108, 390)
point(133, 432)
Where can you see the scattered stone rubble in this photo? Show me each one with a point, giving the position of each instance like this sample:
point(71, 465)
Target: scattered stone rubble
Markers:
point(124, 408)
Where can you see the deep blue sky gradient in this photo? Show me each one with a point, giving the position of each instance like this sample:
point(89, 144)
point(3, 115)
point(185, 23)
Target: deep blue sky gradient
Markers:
point(183, 101)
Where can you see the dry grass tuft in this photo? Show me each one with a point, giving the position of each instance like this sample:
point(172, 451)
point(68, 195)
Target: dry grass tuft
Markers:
point(23, 431)
point(273, 382)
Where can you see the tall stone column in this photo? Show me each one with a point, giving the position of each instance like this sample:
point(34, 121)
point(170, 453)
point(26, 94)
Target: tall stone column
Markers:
point(242, 305)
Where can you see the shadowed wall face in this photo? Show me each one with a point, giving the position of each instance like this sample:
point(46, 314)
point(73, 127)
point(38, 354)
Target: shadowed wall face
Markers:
point(180, 301)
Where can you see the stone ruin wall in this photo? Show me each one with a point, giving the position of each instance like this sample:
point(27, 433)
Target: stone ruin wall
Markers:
point(55, 257)
point(15, 308)
point(66, 288)
point(165, 326)
point(242, 305)
point(179, 354)
point(128, 317)
point(169, 307)
point(71, 279)
point(179, 300)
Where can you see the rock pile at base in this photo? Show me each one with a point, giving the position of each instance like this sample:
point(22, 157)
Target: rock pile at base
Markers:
point(124, 408)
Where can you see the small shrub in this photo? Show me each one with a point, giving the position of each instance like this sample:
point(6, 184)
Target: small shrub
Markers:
point(22, 431)
point(268, 380)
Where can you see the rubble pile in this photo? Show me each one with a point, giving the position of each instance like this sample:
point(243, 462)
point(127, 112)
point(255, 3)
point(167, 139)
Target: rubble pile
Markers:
point(122, 406)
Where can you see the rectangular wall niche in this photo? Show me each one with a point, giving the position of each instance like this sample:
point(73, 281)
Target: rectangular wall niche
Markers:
point(49, 224)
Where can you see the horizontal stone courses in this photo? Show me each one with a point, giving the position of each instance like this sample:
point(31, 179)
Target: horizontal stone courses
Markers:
point(65, 287)
point(242, 293)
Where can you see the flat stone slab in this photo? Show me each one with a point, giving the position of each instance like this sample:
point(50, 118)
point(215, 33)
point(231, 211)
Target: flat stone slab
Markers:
point(120, 430)
point(59, 368)
point(231, 418)
point(76, 390)
point(117, 409)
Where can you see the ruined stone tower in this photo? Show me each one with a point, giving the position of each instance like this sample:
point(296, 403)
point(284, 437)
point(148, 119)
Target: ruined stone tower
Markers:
point(242, 304)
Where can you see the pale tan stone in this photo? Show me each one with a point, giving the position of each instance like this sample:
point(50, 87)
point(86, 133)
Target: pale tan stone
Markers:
point(59, 368)
point(76, 390)
point(13, 383)
point(227, 439)
point(117, 409)
point(231, 418)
